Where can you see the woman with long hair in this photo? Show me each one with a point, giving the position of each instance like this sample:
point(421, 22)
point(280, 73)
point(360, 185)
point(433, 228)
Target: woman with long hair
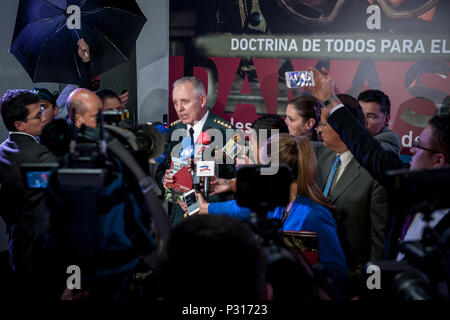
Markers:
point(309, 209)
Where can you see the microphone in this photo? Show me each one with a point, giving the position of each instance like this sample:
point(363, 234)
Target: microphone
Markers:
point(206, 169)
point(186, 151)
point(204, 140)
point(232, 147)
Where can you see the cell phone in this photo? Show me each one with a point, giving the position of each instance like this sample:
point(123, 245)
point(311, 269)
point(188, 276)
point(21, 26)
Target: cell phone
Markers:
point(191, 201)
point(37, 175)
point(299, 79)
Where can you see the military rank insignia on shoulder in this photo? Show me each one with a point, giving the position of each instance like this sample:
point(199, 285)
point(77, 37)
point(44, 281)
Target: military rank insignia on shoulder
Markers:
point(175, 123)
point(223, 124)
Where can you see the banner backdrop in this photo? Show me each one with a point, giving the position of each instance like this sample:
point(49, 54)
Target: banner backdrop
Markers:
point(241, 49)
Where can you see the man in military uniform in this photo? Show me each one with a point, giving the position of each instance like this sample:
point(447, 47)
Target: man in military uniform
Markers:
point(189, 99)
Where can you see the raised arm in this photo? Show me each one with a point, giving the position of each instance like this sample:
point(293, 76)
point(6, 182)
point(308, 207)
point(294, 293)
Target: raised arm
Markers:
point(365, 148)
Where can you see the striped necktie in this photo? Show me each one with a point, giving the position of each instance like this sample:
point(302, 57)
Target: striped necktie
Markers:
point(334, 167)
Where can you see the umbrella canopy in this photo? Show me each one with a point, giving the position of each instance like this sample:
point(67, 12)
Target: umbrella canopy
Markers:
point(47, 48)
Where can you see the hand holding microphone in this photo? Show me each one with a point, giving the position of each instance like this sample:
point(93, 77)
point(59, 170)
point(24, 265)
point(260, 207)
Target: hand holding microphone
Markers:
point(205, 169)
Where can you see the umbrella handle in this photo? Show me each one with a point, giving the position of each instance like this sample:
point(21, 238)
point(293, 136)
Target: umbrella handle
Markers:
point(78, 36)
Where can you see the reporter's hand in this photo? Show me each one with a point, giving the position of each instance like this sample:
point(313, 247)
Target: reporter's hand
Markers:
point(68, 294)
point(123, 100)
point(83, 50)
point(323, 84)
point(183, 206)
point(220, 185)
point(202, 204)
point(245, 160)
point(167, 178)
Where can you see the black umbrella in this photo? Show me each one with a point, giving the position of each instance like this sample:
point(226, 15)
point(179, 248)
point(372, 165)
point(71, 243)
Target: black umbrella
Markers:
point(47, 48)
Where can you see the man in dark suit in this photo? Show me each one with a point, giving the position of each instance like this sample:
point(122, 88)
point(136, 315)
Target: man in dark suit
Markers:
point(361, 201)
point(189, 99)
point(377, 111)
point(432, 150)
point(24, 117)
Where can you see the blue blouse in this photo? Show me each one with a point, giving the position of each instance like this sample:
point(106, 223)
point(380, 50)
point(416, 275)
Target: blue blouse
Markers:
point(305, 215)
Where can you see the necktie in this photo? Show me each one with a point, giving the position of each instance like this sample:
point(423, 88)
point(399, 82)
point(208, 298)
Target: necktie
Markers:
point(191, 133)
point(334, 167)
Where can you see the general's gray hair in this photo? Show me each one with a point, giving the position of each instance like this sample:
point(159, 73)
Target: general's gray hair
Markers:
point(194, 81)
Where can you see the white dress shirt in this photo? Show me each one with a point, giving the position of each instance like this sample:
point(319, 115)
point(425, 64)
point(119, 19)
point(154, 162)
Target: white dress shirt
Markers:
point(345, 159)
point(198, 126)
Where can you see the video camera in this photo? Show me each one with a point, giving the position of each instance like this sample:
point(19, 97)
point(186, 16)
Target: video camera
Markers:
point(287, 266)
point(116, 117)
point(100, 206)
point(424, 273)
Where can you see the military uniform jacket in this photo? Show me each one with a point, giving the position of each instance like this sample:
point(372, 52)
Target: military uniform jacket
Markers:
point(224, 170)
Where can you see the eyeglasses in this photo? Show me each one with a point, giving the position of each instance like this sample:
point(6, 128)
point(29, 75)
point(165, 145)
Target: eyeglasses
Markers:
point(322, 124)
point(38, 115)
point(373, 116)
point(417, 146)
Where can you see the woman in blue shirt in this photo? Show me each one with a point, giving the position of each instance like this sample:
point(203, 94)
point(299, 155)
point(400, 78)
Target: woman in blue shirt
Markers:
point(308, 210)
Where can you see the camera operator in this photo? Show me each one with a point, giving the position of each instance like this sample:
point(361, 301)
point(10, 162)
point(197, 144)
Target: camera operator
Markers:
point(103, 216)
point(112, 218)
point(84, 106)
point(24, 117)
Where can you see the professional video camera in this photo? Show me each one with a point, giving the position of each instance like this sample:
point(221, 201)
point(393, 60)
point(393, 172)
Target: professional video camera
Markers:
point(102, 213)
point(424, 273)
point(117, 117)
point(289, 273)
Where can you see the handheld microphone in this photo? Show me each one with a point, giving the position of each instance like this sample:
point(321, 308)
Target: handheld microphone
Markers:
point(206, 169)
point(186, 150)
point(232, 147)
point(204, 141)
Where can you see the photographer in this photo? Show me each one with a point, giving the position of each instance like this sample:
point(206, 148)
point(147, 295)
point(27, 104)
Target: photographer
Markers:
point(431, 151)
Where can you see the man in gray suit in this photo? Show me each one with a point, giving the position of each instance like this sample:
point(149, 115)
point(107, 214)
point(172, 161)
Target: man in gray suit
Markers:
point(377, 111)
point(361, 200)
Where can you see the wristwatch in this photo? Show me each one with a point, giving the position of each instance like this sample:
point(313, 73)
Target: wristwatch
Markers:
point(328, 101)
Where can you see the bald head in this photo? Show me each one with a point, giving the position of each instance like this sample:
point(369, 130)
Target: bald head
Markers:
point(85, 104)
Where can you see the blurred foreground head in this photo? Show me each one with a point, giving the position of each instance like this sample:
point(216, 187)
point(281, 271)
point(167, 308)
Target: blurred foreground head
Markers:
point(214, 258)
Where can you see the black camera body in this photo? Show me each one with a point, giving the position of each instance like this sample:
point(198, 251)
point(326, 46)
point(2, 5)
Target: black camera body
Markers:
point(424, 273)
point(287, 267)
